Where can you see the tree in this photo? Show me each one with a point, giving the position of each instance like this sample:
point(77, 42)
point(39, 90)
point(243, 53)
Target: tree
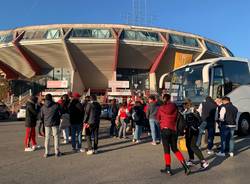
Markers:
point(4, 88)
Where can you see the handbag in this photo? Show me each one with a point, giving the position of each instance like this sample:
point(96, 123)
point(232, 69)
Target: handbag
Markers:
point(182, 144)
point(65, 121)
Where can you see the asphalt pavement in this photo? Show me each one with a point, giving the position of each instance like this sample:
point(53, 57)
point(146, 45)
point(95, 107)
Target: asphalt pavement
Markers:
point(118, 162)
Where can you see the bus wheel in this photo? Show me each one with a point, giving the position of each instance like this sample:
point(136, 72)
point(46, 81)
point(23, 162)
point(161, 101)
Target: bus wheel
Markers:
point(244, 124)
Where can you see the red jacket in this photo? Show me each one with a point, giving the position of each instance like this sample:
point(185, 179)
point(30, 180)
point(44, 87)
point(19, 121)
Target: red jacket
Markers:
point(167, 116)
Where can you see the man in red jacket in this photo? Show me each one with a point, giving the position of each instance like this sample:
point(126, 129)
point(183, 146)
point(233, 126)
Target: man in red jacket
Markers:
point(167, 116)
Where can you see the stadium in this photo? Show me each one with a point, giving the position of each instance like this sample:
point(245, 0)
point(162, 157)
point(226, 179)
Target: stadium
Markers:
point(79, 57)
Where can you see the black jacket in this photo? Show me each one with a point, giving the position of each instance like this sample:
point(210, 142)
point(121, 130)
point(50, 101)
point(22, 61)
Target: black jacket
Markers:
point(231, 114)
point(208, 112)
point(50, 114)
point(138, 115)
point(114, 111)
point(93, 113)
point(31, 114)
point(76, 112)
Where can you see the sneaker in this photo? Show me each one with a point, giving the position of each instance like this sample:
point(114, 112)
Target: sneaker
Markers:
point(220, 154)
point(58, 154)
point(190, 163)
point(45, 155)
point(138, 141)
point(82, 150)
point(65, 142)
point(36, 147)
point(167, 171)
point(204, 164)
point(231, 154)
point(154, 143)
point(28, 149)
point(90, 152)
point(133, 140)
point(210, 152)
point(95, 151)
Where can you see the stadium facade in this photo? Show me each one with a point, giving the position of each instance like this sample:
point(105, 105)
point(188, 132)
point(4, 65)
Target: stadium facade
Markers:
point(88, 56)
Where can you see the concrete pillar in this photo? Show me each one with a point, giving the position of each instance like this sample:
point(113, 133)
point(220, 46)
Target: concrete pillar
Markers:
point(152, 82)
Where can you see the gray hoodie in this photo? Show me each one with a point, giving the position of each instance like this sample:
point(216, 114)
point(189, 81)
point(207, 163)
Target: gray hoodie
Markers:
point(152, 110)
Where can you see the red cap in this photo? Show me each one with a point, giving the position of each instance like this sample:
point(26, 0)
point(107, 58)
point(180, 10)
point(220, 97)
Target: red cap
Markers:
point(76, 95)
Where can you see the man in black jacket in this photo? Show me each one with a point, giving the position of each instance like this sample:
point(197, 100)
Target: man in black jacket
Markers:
point(91, 123)
point(227, 117)
point(50, 116)
point(76, 112)
point(207, 111)
point(113, 110)
point(30, 124)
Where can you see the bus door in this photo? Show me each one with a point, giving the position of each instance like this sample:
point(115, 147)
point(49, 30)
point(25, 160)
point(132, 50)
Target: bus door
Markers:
point(217, 82)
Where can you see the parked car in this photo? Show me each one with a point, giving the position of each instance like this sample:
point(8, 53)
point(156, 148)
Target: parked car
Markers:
point(21, 113)
point(4, 112)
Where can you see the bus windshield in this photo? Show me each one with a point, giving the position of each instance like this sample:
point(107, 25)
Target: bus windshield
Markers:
point(187, 82)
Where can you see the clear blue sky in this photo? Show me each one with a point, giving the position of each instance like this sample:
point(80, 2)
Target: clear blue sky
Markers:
point(226, 21)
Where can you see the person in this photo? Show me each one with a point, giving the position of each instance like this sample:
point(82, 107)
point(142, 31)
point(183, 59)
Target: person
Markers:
point(151, 116)
point(138, 116)
point(207, 111)
point(84, 104)
point(50, 116)
point(227, 118)
point(192, 119)
point(76, 113)
point(167, 117)
point(113, 114)
point(30, 124)
point(41, 128)
point(92, 123)
point(123, 117)
point(65, 118)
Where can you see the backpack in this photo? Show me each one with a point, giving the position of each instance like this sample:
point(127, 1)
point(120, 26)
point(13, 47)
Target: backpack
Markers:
point(138, 116)
point(181, 124)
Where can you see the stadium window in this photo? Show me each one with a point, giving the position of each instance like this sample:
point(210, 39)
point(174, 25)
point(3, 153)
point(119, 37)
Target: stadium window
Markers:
point(34, 35)
point(6, 38)
point(213, 48)
point(91, 33)
point(140, 36)
point(52, 34)
point(183, 40)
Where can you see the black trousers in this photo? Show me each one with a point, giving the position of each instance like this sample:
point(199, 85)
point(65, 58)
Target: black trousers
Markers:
point(192, 147)
point(113, 128)
point(93, 130)
point(169, 140)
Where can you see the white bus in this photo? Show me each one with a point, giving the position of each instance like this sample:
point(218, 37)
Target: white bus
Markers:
point(216, 78)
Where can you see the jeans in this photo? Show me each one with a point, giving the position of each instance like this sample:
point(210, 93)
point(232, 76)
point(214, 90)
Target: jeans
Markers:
point(92, 130)
point(122, 130)
point(211, 132)
point(227, 136)
point(201, 131)
point(138, 132)
point(56, 134)
point(113, 128)
point(76, 135)
point(155, 129)
point(66, 134)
